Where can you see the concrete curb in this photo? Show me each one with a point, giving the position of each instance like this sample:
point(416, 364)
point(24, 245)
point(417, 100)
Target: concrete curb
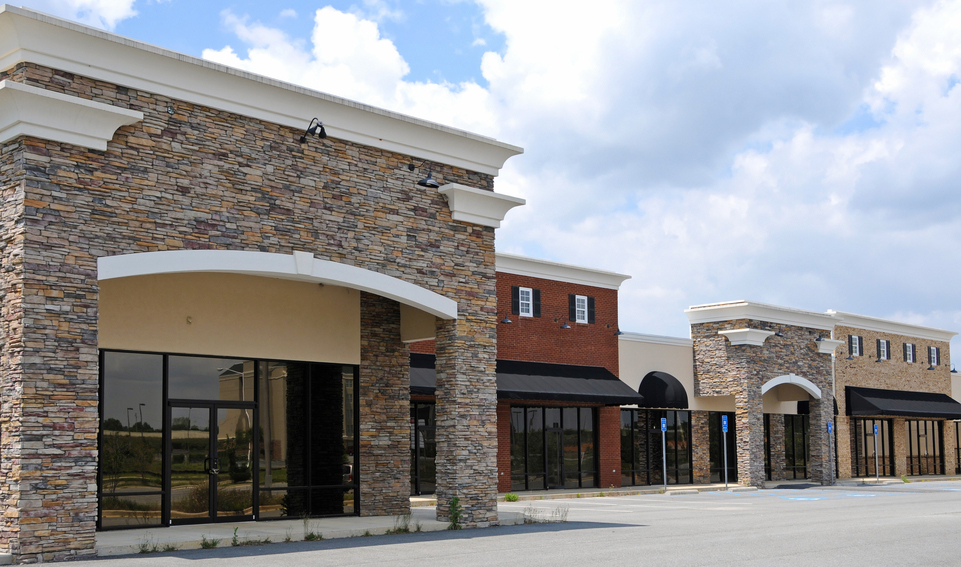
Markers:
point(742, 489)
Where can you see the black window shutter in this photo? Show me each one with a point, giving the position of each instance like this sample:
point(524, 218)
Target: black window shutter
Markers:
point(536, 300)
point(887, 344)
point(515, 300)
point(904, 349)
point(850, 345)
point(937, 352)
point(879, 348)
point(861, 346)
point(572, 307)
point(590, 309)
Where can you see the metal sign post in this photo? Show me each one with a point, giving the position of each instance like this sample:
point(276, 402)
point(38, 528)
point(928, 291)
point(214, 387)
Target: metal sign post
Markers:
point(830, 452)
point(664, 448)
point(724, 437)
point(877, 471)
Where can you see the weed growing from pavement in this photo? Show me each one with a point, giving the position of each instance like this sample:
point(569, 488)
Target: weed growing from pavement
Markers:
point(208, 543)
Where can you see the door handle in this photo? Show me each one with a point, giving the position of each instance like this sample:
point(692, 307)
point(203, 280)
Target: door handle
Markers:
point(215, 469)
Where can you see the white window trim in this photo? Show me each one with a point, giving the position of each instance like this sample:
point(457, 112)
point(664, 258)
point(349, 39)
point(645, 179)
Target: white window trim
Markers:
point(855, 345)
point(909, 348)
point(885, 351)
point(577, 308)
point(529, 304)
point(933, 356)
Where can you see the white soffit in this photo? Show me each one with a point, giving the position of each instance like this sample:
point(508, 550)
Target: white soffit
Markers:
point(796, 380)
point(893, 327)
point(656, 339)
point(28, 36)
point(477, 206)
point(32, 111)
point(299, 266)
point(730, 311)
point(543, 269)
point(753, 337)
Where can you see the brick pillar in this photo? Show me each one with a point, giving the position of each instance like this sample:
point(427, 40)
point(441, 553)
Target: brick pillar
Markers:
point(503, 447)
point(843, 433)
point(384, 409)
point(900, 437)
point(467, 415)
point(777, 446)
point(701, 439)
point(821, 466)
point(748, 410)
point(609, 446)
point(950, 447)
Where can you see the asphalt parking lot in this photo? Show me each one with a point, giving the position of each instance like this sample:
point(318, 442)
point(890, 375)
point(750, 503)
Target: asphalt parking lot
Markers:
point(913, 524)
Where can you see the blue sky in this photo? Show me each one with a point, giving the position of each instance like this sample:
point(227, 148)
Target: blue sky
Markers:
point(797, 153)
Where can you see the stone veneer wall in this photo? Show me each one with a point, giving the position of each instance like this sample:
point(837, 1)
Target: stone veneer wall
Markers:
point(385, 409)
point(201, 178)
point(722, 369)
point(895, 374)
point(778, 457)
point(701, 450)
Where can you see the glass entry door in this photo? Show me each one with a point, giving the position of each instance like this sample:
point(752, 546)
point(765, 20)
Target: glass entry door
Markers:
point(211, 449)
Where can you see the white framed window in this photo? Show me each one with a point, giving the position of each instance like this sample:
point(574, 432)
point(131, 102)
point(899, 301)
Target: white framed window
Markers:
point(580, 306)
point(933, 357)
point(884, 350)
point(909, 352)
point(525, 297)
point(855, 345)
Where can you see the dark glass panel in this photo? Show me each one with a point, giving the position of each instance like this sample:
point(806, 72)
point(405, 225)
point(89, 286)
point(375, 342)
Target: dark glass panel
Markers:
point(331, 501)
point(132, 430)
point(571, 448)
point(553, 458)
point(588, 442)
point(284, 425)
point(552, 418)
point(328, 454)
point(683, 456)
point(427, 460)
point(124, 510)
point(627, 448)
point(641, 447)
point(518, 482)
point(518, 437)
point(235, 447)
point(203, 378)
point(275, 504)
point(535, 443)
point(190, 462)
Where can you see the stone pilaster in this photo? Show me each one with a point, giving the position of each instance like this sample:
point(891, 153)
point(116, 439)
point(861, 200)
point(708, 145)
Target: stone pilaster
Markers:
point(701, 441)
point(777, 446)
point(950, 448)
point(750, 437)
point(821, 466)
point(844, 437)
point(384, 409)
point(900, 437)
point(466, 413)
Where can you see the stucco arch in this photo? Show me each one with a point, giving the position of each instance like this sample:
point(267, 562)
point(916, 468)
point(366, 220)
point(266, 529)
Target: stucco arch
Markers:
point(796, 380)
point(299, 266)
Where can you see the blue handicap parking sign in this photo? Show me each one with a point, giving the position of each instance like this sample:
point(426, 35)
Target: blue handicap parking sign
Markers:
point(830, 427)
point(663, 424)
point(724, 423)
point(875, 428)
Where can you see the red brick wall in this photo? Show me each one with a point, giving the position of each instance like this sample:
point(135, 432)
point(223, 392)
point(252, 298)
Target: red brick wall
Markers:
point(609, 450)
point(503, 447)
point(541, 339)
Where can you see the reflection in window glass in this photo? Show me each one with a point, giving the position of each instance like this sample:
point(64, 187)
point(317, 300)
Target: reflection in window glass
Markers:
point(642, 449)
point(203, 378)
point(544, 456)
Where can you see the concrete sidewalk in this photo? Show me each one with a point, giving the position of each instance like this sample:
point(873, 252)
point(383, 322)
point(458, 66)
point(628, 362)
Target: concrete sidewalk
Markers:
point(149, 540)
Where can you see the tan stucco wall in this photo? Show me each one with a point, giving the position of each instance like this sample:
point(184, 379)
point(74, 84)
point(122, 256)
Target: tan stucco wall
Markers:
point(231, 315)
point(638, 357)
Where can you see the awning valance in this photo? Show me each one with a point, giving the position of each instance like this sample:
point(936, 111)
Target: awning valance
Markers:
point(901, 403)
point(536, 381)
point(661, 390)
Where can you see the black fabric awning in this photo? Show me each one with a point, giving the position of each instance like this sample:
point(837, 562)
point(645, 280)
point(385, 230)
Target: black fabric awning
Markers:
point(661, 390)
point(538, 381)
point(901, 403)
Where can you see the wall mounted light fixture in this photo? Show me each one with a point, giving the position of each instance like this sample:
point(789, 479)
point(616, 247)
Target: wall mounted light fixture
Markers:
point(428, 181)
point(316, 127)
point(506, 320)
point(565, 325)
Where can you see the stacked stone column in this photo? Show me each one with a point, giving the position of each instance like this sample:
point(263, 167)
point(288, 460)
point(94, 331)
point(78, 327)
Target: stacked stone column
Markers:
point(750, 436)
point(821, 466)
point(467, 418)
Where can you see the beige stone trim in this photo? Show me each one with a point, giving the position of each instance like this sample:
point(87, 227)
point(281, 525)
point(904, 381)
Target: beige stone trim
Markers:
point(477, 206)
point(755, 337)
point(544, 269)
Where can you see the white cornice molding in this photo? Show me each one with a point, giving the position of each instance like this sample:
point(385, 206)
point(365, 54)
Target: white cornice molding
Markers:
point(730, 311)
point(656, 339)
point(828, 346)
point(753, 337)
point(543, 269)
point(28, 36)
point(893, 327)
point(299, 266)
point(31, 111)
point(477, 206)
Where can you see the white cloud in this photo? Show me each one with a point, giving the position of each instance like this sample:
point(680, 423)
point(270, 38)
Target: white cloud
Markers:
point(803, 153)
point(288, 13)
point(104, 14)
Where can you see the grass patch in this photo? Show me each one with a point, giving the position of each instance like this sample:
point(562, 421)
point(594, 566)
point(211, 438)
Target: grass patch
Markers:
point(208, 543)
point(511, 497)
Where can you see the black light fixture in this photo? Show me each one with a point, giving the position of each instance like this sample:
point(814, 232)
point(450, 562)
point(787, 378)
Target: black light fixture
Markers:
point(565, 325)
point(618, 333)
point(315, 127)
point(780, 334)
point(849, 357)
point(953, 371)
point(506, 320)
point(428, 181)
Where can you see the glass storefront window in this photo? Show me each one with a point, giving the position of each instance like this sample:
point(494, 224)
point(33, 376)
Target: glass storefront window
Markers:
point(246, 439)
point(552, 448)
point(642, 449)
